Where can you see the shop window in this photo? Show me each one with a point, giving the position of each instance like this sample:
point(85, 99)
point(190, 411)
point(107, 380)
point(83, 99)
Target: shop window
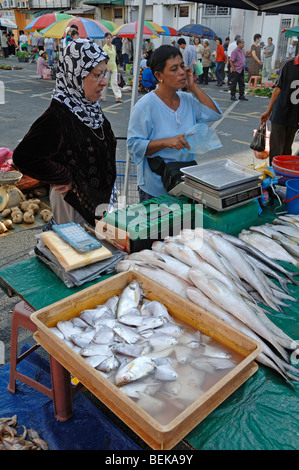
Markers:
point(118, 13)
point(183, 12)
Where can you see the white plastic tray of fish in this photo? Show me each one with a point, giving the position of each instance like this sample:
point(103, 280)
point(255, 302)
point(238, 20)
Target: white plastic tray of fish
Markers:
point(160, 363)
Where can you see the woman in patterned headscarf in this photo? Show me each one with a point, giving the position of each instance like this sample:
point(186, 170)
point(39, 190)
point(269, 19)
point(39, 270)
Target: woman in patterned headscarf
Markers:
point(71, 146)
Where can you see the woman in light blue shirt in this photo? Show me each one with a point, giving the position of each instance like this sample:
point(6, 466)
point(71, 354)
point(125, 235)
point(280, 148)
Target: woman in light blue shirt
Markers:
point(160, 119)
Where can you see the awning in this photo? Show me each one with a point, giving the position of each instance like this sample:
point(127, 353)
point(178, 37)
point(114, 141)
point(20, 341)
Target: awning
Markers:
point(104, 2)
point(268, 6)
point(81, 11)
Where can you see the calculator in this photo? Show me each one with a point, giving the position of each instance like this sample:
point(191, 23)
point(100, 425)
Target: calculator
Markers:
point(76, 236)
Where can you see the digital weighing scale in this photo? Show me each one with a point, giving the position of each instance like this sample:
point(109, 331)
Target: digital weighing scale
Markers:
point(219, 185)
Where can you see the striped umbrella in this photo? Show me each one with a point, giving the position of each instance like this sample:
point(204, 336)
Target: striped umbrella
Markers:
point(108, 24)
point(129, 30)
point(169, 31)
point(43, 21)
point(158, 29)
point(87, 28)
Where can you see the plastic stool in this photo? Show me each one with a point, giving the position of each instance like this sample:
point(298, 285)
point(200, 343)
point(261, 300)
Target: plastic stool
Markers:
point(253, 81)
point(62, 391)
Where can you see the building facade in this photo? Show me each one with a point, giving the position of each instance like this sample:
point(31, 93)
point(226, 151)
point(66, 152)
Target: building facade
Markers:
point(225, 21)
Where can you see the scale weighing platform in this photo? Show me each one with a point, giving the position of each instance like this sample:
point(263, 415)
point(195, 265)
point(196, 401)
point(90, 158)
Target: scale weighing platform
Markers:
point(220, 185)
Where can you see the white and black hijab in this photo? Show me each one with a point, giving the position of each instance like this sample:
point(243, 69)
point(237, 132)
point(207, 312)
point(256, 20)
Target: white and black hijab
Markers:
point(78, 60)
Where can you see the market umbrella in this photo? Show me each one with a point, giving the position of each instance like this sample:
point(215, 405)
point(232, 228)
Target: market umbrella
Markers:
point(291, 31)
point(109, 24)
point(7, 23)
point(129, 30)
point(43, 21)
point(169, 31)
point(197, 30)
point(87, 28)
point(152, 25)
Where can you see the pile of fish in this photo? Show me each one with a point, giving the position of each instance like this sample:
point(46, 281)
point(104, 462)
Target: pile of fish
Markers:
point(10, 439)
point(228, 277)
point(136, 344)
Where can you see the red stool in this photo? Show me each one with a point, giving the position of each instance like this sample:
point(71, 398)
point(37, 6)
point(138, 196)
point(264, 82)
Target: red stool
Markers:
point(62, 391)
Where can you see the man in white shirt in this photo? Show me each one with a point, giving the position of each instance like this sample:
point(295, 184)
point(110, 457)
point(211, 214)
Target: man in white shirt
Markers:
point(292, 49)
point(23, 41)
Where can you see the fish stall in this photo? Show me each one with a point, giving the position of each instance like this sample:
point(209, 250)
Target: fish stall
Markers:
point(136, 361)
point(193, 331)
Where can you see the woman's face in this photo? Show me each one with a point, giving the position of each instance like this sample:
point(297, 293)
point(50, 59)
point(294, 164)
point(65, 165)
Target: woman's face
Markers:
point(95, 82)
point(217, 42)
point(174, 73)
point(108, 39)
point(196, 41)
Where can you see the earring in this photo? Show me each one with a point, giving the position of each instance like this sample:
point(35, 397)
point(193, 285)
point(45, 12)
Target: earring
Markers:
point(161, 81)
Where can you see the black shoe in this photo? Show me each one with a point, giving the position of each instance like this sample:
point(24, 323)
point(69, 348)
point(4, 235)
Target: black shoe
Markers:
point(233, 98)
point(242, 98)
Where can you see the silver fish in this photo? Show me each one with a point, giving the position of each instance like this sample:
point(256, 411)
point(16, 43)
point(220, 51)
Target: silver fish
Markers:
point(165, 372)
point(131, 318)
point(94, 361)
point(234, 304)
point(104, 335)
point(215, 351)
point(292, 232)
point(57, 332)
point(164, 261)
point(96, 350)
point(182, 354)
point(68, 329)
point(269, 247)
point(84, 339)
point(134, 350)
point(172, 329)
point(259, 255)
point(290, 246)
point(155, 309)
point(241, 265)
point(134, 389)
point(134, 370)
point(126, 333)
point(111, 303)
point(151, 322)
point(109, 364)
point(129, 298)
point(162, 341)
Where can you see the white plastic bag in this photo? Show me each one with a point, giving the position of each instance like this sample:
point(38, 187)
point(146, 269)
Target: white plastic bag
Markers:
point(202, 139)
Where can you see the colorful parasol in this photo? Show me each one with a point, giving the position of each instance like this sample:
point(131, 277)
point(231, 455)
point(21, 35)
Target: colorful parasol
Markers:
point(197, 30)
point(43, 21)
point(169, 31)
point(129, 30)
point(157, 28)
point(289, 32)
point(87, 28)
point(108, 24)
